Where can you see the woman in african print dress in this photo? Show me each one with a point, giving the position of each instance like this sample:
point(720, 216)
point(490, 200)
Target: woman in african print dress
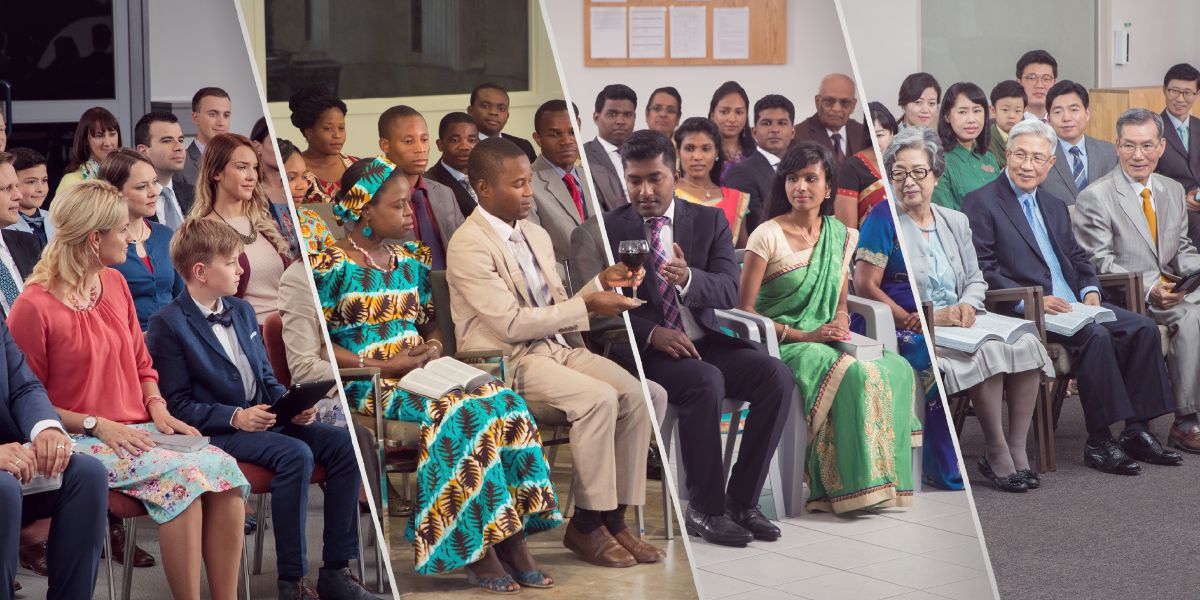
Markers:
point(860, 412)
point(482, 481)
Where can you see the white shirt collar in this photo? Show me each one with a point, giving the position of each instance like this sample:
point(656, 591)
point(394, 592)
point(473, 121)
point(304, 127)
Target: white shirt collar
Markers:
point(199, 145)
point(502, 229)
point(205, 311)
point(483, 136)
point(669, 213)
point(608, 147)
point(841, 132)
point(459, 175)
point(1139, 186)
point(1176, 123)
point(771, 158)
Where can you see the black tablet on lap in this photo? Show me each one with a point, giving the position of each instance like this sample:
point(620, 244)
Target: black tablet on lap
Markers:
point(299, 398)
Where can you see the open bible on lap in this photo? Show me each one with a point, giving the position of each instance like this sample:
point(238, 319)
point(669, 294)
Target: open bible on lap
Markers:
point(988, 326)
point(1070, 323)
point(443, 375)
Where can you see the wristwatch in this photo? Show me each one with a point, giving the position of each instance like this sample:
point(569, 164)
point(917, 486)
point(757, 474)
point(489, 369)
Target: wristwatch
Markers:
point(89, 425)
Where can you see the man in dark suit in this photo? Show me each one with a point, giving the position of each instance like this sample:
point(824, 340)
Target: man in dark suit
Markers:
point(1023, 237)
point(159, 137)
point(215, 375)
point(211, 113)
point(616, 110)
point(489, 108)
point(1081, 158)
point(77, 508)
point(19, 251)
point(404, 139)
point(831, 126)
point(457, 136)
point(773, 133)
point(1181, 161)
point(692, 272)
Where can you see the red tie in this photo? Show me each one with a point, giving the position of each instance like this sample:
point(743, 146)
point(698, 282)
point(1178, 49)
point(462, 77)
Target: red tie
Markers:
point(574, 189)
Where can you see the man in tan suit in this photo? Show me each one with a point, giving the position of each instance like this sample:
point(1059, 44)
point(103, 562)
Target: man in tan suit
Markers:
point(1133, 220)
point(559, 205)
point(506, 294)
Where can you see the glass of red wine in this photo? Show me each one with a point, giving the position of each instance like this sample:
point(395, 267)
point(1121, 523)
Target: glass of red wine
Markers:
point(633, 255)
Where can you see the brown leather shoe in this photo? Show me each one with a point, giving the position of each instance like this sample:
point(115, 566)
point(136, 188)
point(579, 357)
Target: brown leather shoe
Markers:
point(598, 547)
point(33, 557)
point(642, 550)
point(1186, 440)
point(141, 558)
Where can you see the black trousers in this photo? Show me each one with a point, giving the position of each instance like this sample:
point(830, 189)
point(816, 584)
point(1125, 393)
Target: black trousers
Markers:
point(696, 389)
point(1121, 372)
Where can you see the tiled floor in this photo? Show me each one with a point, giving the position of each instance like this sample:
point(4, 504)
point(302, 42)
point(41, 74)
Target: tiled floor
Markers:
point(927, 552)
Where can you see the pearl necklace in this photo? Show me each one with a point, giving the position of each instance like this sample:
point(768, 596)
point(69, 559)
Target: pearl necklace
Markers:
point(367, 257)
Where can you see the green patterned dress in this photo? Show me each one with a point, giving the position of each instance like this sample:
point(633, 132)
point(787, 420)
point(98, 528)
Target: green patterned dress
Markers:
point(481, 476)
point(860, 413)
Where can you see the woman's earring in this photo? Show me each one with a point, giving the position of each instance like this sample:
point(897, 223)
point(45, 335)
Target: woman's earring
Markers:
point(367, 231)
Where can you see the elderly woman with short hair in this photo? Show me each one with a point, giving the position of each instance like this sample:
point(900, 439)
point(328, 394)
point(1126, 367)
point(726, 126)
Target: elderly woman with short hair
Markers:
point(946, 272)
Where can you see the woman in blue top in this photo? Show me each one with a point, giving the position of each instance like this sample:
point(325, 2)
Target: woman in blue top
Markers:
point(152, 279)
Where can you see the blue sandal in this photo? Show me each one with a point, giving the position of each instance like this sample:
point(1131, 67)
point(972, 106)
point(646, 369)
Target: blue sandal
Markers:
point(531, 579)
point(495, 585)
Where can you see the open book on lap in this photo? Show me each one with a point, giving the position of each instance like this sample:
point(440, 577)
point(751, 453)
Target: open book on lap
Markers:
point(1070, 323)
point(444, 375)
point(988, 326)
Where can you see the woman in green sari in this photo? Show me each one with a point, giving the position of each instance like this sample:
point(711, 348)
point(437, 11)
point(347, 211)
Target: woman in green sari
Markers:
point(859, 413)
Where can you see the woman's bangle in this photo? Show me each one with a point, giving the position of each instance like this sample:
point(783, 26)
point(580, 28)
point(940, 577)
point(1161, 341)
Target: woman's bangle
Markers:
point(439, 344)
point(361, 360)
point(152, 400)
point(841, 312)
point(783, 333)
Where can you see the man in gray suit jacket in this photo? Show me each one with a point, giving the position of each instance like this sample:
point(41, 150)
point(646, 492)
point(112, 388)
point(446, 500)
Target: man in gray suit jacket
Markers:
point(559, 204)
point(616, 110)
point(1081, 158)
point(1132, 221)
point(211, 112)
point(404, 139)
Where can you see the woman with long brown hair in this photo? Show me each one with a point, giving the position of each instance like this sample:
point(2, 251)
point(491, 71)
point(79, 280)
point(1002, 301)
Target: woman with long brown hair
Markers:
point(228, 190)
point(97, 134)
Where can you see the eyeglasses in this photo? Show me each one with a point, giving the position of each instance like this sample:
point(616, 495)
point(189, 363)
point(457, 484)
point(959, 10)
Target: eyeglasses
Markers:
point(1174, 93)
point(1046, 79)
point(1131, 148)
point(919, 173)
point(1019, 158)
point(846, 103)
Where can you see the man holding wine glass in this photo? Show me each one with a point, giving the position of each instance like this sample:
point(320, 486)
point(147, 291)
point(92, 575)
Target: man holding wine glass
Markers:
point(506, 294)
point(692, 273)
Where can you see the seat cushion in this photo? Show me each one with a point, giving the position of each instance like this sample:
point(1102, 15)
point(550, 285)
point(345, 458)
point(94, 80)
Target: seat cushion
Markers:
point(547, 416)
point(260, 477)
point(125, 507)
point(1060, 358)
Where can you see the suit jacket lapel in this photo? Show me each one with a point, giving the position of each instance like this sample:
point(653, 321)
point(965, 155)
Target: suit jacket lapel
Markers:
point(510, 262)
point(1193, 153)
point(1062, 167)
point(557, 188)
point(22, 257)
point(1131, 205)
point(1172, 135)
point(201, 325)
point(1012, 207)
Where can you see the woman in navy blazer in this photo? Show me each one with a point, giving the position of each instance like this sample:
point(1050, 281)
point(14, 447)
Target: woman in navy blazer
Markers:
point(147, 269)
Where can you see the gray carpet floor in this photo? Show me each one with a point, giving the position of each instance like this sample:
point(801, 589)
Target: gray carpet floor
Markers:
point(1087, 534)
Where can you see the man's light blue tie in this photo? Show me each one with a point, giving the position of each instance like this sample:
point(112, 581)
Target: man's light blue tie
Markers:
point(172, 217)
point(1183, 136)
point(1078, 170)
point(1059, 284)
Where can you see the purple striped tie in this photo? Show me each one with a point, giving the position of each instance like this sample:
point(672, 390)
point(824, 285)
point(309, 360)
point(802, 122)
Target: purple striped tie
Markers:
point(670, 309)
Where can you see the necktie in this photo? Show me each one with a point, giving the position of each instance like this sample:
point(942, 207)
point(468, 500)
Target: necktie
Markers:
point(8, 285)
point(573, 187)
point(172, 217)
point(37, 224)
point(1058, 283)
point(838, 155)
point(529, 268)
point(1151, 218)
point(470, 190)
point(1183, 136)
point(223, 318)
point(427, 230)
point(671, 316)
point(1078, 171)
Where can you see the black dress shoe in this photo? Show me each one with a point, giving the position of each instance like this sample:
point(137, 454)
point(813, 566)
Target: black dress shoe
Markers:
point(1032, 481)
point(1108, 457)
point(1012, 482)
point(716, 529)
point(1140, 445)
point(752, 520)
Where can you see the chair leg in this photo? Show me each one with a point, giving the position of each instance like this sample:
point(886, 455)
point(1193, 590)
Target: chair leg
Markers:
point(735, 423)
point(668, 510)
point(245, 569)
point(259, 535)
point(108, 561)
point(790, 460)
point(130, 546)
point(362, 557)
point(640, 516)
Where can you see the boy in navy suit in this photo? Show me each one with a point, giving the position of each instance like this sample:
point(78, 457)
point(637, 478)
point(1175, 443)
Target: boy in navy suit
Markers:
point(216, 377)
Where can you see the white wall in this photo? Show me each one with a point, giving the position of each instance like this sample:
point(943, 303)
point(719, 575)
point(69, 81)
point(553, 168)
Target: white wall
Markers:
point(885, 36)
point(198, 44)
point(814, 47)
point(1159, 38)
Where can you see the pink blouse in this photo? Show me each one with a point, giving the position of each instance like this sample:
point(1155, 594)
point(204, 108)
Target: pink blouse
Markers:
point(91, 361)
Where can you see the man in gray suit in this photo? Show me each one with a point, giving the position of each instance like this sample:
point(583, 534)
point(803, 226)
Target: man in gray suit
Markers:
point(559, 205)
point(211, 112)
point(1081, 158)
point(404, 139)
point(1132, 221)
point(616, 110)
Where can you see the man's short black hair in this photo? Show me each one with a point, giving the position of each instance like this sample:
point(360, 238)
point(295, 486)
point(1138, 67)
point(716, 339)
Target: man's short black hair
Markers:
point(1036, 57)
point(453, 118)
point(615, 91)
point(485, 86)
point(774, 101)
point(390, 115)
point(487, 159)
point(141, 129)
point(646, 144)
point(1063, 88)
point(1009, 88)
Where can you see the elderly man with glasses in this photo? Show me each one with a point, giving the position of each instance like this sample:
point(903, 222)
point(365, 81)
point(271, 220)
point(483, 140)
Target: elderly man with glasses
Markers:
point(1132, 221)
point(831, 126)
point(1022, 235)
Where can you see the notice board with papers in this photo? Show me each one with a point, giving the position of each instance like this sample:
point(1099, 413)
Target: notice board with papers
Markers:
point(684, 32)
